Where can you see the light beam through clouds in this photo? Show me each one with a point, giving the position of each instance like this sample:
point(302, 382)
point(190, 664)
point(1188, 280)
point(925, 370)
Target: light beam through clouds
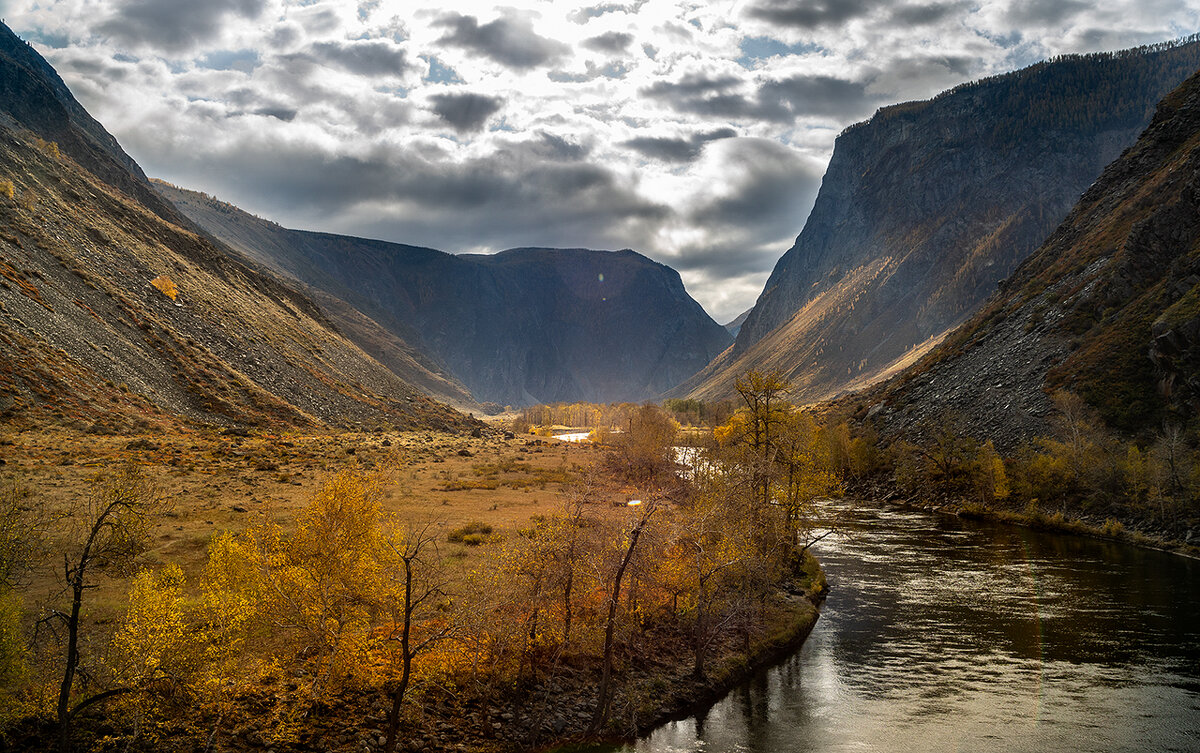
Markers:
point(694, 132)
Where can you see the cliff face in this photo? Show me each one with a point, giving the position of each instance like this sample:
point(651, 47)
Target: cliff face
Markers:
point(1108, 307)
point(928, 205)
point(520, 327)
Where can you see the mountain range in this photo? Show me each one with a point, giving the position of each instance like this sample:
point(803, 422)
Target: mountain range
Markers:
point(1108, 308)
point(125, 303)
point(520, 327)
point(928, 205)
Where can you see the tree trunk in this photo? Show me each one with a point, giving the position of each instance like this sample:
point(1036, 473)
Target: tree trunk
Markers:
point(603, 696)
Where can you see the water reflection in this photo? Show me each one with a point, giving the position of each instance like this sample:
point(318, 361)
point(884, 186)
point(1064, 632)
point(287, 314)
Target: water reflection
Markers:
point(949, 635)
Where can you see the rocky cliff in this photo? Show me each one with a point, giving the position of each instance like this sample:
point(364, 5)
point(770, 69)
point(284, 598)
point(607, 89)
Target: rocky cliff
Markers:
point(1108, 307)
point(928, 205)
point(520, 327)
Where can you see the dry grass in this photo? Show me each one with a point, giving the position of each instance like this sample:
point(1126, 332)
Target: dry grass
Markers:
point(216, 483)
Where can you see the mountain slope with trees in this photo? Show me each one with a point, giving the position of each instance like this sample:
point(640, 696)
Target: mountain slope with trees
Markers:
point(928, 205)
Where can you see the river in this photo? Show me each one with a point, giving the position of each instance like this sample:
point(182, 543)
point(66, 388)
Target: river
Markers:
point(942, 634)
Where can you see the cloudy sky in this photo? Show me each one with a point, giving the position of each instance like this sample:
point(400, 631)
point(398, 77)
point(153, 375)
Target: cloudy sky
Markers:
point(694, 132)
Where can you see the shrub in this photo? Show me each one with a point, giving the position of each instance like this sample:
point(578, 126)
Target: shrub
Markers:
point(471, 534)
point(166, 286)
point(6, 189)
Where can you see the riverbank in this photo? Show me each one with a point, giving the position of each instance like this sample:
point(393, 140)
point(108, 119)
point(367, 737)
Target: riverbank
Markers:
point(552, 712)
point(1108, 529)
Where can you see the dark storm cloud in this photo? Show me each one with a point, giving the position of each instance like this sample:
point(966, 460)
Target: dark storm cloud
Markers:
point(466, 112)
point(779, 101)
point(812, 14)
point(609, 41)
point(817, 95)
point(556, 148)
point(503, 200)
point(669, 149)
point(172, 25)
point(364, 57)
point(508, 40)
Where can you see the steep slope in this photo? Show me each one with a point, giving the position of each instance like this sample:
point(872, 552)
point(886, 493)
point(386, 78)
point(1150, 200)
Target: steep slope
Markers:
point(928, 205)
point(114, 313)
point(86, 337)
point(520, 327)
point(1108, 307)
point(33, 97)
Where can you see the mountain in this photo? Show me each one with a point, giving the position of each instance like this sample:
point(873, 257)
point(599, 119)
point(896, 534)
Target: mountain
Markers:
point(524, 326)
point(735, 325)
point(1108, 307)
point(35, 99)
point(113, 316)
point(928, 205)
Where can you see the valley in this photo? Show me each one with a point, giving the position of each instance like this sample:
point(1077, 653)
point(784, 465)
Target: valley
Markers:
point(325, 488)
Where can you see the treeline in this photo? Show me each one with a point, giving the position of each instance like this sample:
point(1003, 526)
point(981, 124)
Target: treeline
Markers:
point(285, 621)
point(1081, 472)
point(1089, 92)
point(616, 416)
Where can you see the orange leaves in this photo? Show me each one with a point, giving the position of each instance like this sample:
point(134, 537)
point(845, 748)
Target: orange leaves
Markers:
point(165, 286)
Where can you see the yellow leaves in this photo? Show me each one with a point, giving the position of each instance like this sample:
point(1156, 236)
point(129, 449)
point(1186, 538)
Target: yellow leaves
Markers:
point(154, 635)
point(6, 189)
point(166, 286)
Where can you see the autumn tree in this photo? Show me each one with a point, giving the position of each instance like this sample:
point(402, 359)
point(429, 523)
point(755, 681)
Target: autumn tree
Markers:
point(805, 472)
point(645, 452)
point(628, 549)
point(752, 431)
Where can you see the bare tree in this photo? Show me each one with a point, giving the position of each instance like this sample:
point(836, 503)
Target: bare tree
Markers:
point(604, 695)
point(110, 532)
point(420, 585)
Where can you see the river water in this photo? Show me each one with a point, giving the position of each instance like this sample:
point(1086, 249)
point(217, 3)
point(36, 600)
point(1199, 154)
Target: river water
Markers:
point(941, 634)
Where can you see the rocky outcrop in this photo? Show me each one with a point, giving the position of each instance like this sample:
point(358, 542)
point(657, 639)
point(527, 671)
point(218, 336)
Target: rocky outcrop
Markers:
point(1108, 307)
point(928, 205)
point(523, 326)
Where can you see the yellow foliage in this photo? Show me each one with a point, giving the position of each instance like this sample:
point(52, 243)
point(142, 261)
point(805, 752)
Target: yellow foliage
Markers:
point(166, 286)
point(6, 189)
point(154, 635)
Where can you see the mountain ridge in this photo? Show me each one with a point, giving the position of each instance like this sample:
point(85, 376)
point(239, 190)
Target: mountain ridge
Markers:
point(523, 326)
point(1108, 307)
point(928, 205)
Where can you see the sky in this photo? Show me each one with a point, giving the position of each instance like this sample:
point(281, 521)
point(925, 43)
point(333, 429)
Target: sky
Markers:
point(693, 132)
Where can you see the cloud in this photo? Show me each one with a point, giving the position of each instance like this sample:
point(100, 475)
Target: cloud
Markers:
point(465, 112)
point(609, 41)
point(812, 14)
point(926, 14)
point(171, 25)
point(1046, 12)
point(365, 57)
point(673, 149)
point(509, 40)
point(781, 100)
